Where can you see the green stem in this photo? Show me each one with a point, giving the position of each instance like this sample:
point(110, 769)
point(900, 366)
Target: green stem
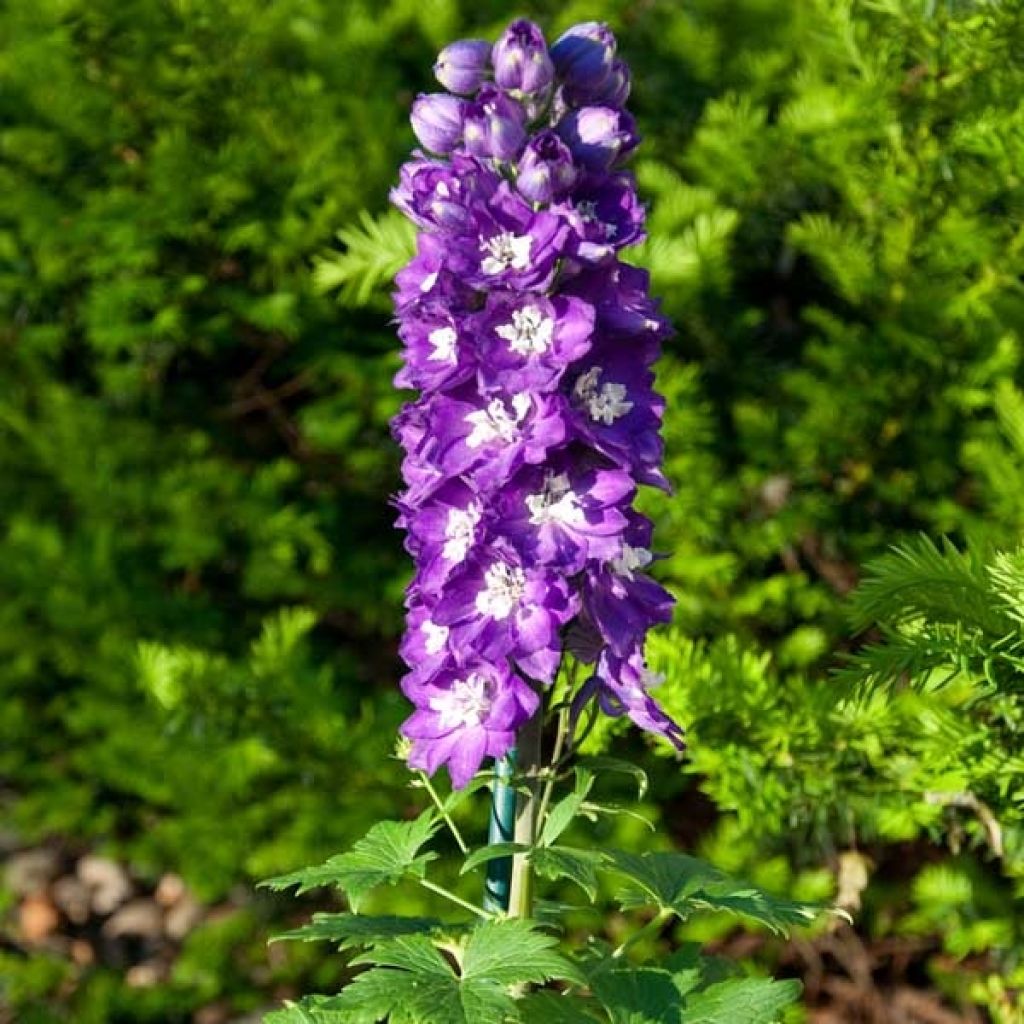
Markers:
point(552, 774)
point(452, 827)
point(651, 928)
point(528, 749)
point(465, 904)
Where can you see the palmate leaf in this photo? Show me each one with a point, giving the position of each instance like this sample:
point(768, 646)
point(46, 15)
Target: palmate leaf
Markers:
point(361, 930)
point(751, 1000)
point(572, 863)
point(386, 854)
point(412, 983)
point(638, 995)
point(552, 1008)
point(683, 884)
point(311, 1010)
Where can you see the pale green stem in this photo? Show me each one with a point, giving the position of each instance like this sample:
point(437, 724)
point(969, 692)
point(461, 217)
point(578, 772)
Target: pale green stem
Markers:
point(651, 928)
point(528, 748)
point(452, 827)
point(465, 904)
point(549, 784)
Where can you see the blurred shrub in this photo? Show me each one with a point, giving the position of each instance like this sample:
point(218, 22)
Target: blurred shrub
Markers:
point(200, 586)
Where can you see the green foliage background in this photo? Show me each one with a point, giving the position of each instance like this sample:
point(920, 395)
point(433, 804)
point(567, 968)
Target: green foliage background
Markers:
point(199, 583)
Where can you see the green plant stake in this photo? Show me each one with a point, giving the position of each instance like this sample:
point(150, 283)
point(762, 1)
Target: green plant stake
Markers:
point(501, 830)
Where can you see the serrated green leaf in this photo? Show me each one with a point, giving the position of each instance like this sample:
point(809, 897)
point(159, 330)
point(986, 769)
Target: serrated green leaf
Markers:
point(386, 854)
point(683, 884)
point(412, 982)
point(640, 995)
point(751, 1000)
point(358, 929)
point(513, 952)
point(551, 1008)
point(493, 851)
point(311, 1010)
point(579, 866)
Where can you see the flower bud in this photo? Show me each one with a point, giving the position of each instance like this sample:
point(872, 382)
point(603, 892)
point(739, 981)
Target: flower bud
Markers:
point(462, 66)
point(521, 60)
point(583, 57)
point(615, 90)
point(495, 125)
point(598, 136)
point(546, 171)
point(437, 121)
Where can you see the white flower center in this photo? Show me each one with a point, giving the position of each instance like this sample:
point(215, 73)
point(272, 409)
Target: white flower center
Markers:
point(557, 503)
point(530, 332)
point(465, 705)
point(605, 403)
point(506, 252)
point(496, 423)
point(428, 282)
point(503, 589)
point(459, 532)
point(630, 560)
point(443, 342)
point(435, 636)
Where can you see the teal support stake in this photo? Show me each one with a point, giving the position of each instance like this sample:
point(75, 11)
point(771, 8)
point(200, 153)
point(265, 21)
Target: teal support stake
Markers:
point(502, 829)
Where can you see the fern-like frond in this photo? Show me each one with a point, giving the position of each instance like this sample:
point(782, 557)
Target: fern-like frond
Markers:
point(375, 250)
point(920, 580)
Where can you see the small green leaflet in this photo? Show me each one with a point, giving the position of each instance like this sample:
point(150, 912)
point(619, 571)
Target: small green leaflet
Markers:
point(751, 1000)
point(682, 884)
point(561, 815)
point(386, 854)
point(413, 983)
point(577, 865)
point(359, 930)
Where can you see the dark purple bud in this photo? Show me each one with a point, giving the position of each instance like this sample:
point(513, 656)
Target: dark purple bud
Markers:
point(598, 136)
point(462, 66)
point(583, 57)
point(437, 121)
point(615, 90)
point(521, 60)
point(495, 125)
point(546, 171)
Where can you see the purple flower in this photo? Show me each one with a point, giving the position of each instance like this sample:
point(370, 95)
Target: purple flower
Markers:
point(528, 340)
point(439, 195)
point(546, 170)
point(465, 713)
point(564, 513)
point(619, 598)
point(625, 685)
point(532, 347)
point(461, 67)
point(598, 136)
point(437, 121)
point(521, 59)
point(487, 437)
point(498, 605)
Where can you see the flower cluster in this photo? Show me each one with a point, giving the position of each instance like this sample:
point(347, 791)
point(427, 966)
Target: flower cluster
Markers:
point(532, 346)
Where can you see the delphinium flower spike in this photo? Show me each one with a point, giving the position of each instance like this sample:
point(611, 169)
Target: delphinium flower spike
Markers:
point(531, 345)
